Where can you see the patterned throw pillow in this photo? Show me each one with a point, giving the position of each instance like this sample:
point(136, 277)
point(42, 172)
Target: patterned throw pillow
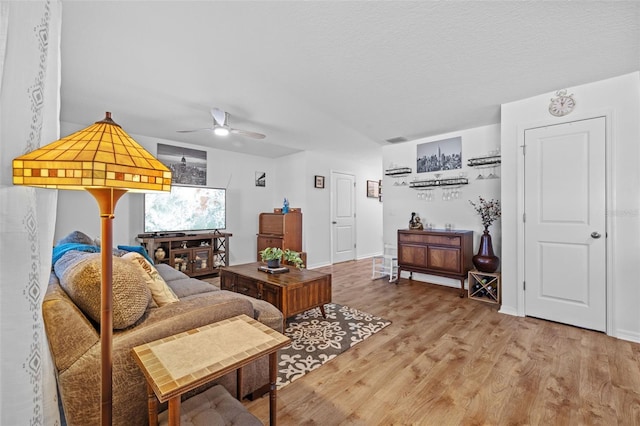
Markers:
point(160, 291)
point(80, 276)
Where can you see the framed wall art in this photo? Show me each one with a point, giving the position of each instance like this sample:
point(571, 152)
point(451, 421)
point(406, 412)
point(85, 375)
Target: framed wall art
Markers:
point(373, 189)
point(188, 166)
point(445, 154)
point(318, 182)
point(261, 179)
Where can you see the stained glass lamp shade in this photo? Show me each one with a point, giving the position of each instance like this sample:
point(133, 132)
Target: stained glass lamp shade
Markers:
point(104, 160)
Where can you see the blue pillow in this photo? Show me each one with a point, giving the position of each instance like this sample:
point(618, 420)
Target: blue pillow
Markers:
point(61, 249)
point(137, 249)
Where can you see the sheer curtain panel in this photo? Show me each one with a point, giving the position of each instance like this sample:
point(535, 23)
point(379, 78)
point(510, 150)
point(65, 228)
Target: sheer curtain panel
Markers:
point(29, 118)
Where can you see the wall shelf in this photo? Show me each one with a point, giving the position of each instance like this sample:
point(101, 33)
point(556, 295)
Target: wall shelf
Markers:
point(484, 161)
point(398, 171)
point(430, 183)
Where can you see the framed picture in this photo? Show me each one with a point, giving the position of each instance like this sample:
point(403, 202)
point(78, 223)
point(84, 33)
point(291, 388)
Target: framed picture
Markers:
point(436, 156)
point(373, 189)
point(318, 182)
point(261, 179)
point(188, 166)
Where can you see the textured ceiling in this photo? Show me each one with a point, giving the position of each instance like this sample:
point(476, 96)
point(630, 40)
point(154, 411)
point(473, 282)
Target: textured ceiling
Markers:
point(330, 76)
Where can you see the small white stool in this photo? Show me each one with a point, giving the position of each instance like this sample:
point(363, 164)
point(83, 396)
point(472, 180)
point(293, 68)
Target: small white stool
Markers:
point(385, 264)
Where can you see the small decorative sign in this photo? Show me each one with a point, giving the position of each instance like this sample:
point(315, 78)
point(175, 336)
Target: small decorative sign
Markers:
point(319, 182)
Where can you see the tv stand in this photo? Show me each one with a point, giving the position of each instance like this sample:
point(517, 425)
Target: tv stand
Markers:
point(195, 255)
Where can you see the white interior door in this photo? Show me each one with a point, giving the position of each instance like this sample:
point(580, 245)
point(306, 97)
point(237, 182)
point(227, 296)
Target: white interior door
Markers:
point(343, 229)
point(565, 223)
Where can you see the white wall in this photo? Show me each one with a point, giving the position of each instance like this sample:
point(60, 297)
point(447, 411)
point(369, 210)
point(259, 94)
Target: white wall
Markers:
point(291, 176)
point(296, 175)
point(78, 210)
point(401, 201)
point(617, 99)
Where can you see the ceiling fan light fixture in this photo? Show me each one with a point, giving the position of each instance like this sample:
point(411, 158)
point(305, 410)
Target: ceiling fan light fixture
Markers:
point(221, 131)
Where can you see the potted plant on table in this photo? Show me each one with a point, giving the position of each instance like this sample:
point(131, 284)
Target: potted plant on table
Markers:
point(273, 256)
point(293, 258)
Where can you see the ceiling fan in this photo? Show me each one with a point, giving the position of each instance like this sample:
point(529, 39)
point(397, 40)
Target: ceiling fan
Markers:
point(221, 126)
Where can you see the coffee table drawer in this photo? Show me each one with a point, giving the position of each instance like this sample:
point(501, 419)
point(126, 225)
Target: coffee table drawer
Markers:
point(248, 287)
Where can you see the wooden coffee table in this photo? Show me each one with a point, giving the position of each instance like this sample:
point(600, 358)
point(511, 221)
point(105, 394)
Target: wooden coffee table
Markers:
point(291, 292)
point(182, 362)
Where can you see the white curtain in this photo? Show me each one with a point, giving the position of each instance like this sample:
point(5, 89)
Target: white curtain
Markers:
point(29, 118)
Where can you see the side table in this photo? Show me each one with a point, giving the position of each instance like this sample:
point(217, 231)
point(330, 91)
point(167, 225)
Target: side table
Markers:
point(182, 362)
point(485, 286)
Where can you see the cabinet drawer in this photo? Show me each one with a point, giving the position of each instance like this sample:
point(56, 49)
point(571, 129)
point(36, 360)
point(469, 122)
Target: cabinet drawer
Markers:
point(227, 281)
point(444, 259)
point(411, 254)
point(268, 241)
point(271, 294)
point(445, 240)
point(248, 287)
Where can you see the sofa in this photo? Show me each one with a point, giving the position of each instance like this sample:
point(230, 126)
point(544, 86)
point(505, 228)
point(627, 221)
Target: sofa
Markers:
point(72, 327)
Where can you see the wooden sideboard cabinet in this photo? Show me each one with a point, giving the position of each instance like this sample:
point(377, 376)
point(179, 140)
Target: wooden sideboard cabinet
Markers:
point(436, 252)
point(282, 230)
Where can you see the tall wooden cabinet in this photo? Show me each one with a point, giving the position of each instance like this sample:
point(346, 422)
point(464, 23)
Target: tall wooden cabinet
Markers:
point(282, 230)
point(436, 252)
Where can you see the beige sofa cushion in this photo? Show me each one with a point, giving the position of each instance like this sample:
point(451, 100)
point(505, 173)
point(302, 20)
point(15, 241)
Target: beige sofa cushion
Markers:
point(160, 291)
point(80, 276)
point(214, 407)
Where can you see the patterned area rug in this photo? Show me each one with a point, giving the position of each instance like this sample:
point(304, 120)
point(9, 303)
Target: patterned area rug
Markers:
point(316, 340)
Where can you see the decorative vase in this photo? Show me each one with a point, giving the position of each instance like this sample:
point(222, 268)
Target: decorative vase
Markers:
point(273, 263)
point(485, 260)
point(160, 253)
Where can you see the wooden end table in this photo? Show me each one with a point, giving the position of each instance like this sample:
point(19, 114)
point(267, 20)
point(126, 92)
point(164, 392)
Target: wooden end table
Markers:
point(292, 292)
point(182, 362)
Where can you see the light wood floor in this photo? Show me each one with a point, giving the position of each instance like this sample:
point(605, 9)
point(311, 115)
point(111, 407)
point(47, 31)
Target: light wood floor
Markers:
point(451, 361)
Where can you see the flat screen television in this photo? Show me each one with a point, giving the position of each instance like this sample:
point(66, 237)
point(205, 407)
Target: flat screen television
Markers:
point(185, 209)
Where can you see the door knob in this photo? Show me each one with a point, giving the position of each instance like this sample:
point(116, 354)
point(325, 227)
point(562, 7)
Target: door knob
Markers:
point(595, 234)
point(334, 222)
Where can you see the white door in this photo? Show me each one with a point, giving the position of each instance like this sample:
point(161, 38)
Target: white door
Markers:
point(565, 225)
point(343, 229)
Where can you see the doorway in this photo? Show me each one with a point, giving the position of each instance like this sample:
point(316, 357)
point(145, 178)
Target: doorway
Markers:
point(565, 223)
point(343, 229)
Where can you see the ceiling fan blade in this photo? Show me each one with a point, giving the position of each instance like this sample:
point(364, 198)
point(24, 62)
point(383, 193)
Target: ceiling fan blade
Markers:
point(194, 130)
point(254, 135)
point(219, 116)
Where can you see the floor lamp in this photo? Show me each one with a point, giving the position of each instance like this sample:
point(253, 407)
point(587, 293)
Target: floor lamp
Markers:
point(105, 161)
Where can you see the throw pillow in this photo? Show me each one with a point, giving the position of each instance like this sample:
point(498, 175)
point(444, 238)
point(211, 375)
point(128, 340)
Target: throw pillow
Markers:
point(78, 238)
point(160, 291)
point(80, 276)
point(137, 249)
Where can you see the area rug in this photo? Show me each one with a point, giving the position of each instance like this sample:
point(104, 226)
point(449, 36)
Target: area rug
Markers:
point(316, 340)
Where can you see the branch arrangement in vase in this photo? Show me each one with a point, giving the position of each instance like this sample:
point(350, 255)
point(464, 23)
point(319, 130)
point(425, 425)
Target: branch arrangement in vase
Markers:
point(489, 211)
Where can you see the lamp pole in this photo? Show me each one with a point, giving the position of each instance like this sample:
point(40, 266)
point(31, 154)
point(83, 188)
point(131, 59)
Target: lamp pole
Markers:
point(107, 199)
